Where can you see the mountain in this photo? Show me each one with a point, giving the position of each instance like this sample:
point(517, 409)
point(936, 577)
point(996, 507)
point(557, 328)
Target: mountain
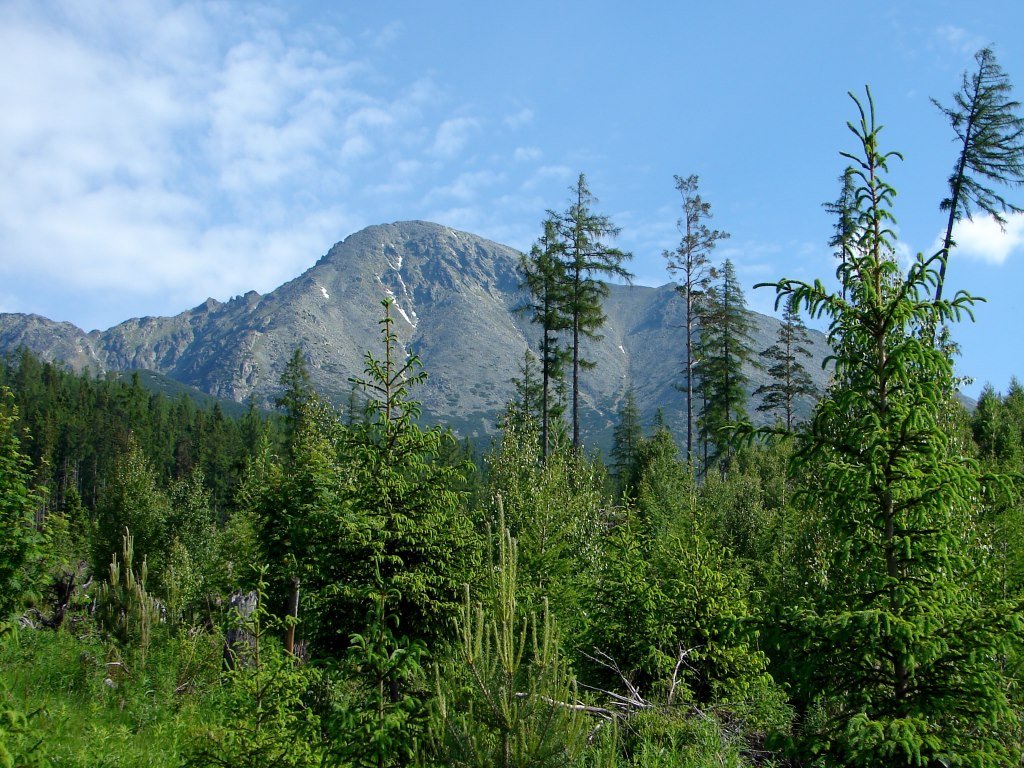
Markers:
point(455, 298)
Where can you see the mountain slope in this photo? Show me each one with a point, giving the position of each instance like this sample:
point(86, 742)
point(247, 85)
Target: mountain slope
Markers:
point(455, 296)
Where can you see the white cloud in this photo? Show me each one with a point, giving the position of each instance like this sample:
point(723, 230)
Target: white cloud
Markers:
point(526, 154)
point(982, 239)
point(547, 173)
point(193, 149)
point(387, 36)
point(453, 134)
point(523, 117)
point(958, 39)
point(467, 186)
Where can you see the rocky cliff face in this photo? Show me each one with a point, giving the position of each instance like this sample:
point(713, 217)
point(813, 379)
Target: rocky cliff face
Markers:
point(455, 296)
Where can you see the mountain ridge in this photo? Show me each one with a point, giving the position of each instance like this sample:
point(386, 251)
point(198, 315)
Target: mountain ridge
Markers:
point(455, 296)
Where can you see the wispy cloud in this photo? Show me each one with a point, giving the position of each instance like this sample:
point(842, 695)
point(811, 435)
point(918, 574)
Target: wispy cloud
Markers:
point(185, 150)
point(547, 173)
point(957, 39)
point(526, 154)
point(519, 119)
point(453, 134)
point(467, 186)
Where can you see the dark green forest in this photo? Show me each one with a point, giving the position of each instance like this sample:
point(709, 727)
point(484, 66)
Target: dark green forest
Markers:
point(348, 586)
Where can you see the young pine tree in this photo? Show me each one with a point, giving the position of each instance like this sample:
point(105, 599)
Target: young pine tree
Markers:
point(408, 536)
point(507, 698)
point(790, 380)
point(894, 657)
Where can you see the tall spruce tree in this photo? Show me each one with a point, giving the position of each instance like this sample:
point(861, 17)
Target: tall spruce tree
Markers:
point(790, 380)
point(690, 263)
point(894, 657)
point(725, 346)
point(545, 279)
point(990, 132)
point(586, 259)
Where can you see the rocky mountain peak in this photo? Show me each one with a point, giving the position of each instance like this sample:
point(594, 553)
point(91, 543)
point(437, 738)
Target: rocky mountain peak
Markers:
point(455, 294)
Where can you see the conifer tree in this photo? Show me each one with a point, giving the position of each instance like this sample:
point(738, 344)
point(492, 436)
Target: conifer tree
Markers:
point(406, 535)
point(690, 262)
point(725, 346)
point(528, 400)
point(586, 259)
point(843, 229)
point(790, 379)
point(545, 279)
point(894, 657)
point(626, 439)
point(133, 499)
point(297, 389)
point(990, 132)
point(18, 503)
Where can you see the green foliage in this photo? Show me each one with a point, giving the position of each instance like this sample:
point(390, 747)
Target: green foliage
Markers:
point(507, 698)
point(133, 499)
point(724, 349)
point(264, 721)
point(238, 542)
point(672, 613)
point(626, 439)
point(680, 739)
point(790, 380)
point(297, 390)
point(554, 509)
point(18, 503)
point(124, 608)
point(385, 724)
point(528, 402)
point(669, 604)
point(302, 522)
point(890, 649)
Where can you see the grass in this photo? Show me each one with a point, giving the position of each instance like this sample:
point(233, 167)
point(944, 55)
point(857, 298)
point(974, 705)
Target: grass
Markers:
point(97, 705)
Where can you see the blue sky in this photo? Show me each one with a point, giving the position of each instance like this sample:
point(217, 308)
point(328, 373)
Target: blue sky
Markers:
point(153, 154)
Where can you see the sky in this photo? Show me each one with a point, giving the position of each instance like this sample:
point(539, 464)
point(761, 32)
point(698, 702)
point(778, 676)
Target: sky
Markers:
point(154, 154)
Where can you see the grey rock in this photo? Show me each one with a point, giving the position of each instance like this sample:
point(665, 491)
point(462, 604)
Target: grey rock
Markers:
point(455, 296)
